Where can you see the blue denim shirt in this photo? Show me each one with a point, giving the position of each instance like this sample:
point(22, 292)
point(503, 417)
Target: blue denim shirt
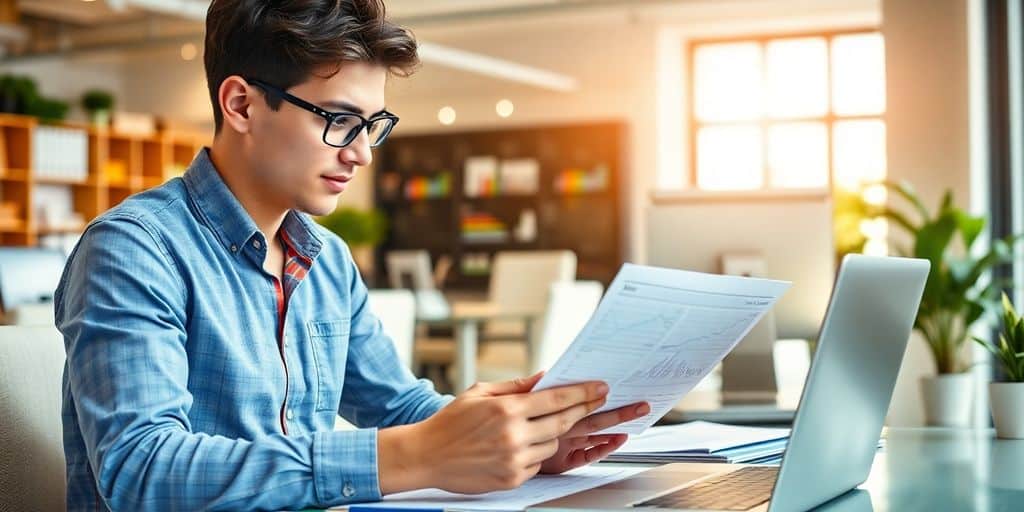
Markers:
point(175, 382)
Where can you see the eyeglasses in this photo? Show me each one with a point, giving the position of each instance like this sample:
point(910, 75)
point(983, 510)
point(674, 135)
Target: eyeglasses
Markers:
point(341, 128)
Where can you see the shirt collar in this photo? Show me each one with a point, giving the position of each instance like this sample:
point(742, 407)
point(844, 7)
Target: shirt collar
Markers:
point(230, 221)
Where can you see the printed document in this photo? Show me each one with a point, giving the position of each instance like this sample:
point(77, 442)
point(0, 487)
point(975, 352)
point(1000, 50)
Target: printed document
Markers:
point(658, 332)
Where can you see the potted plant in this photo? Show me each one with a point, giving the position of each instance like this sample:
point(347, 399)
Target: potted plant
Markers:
point(955, 296)
point(99, 105)
point(1007, 398)
point(360, 229)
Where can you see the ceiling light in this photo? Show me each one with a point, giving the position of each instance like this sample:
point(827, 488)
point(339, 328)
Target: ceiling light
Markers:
point(189, 51)
point(446, 115)
point(504, 108)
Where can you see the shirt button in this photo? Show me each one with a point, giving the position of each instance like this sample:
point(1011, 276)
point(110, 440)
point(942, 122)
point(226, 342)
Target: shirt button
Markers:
point(234, 248)
point(348, 491)
point(256, 244)
point(289, 414)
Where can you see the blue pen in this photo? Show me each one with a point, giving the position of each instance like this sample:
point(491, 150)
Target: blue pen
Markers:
point(365, 508)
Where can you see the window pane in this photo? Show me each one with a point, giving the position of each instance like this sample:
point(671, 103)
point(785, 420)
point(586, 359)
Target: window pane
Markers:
point(729, 158)
point(859, 152)
point(797, 78)
point(858, 74)
point(728, 82)
point(798, 155)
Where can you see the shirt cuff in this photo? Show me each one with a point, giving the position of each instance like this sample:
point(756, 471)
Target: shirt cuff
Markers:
point(345, 466)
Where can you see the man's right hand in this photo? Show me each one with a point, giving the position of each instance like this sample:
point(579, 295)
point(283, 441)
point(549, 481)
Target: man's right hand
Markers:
point(491, 437)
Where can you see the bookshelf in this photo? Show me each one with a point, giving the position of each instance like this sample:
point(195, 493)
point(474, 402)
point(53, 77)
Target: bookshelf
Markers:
point(448, 193)
point(115, 167)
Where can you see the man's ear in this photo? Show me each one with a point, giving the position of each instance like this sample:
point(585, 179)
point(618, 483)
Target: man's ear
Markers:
point(236, 97)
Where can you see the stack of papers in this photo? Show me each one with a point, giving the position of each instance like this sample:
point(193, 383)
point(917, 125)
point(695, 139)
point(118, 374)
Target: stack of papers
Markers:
point(701, 441)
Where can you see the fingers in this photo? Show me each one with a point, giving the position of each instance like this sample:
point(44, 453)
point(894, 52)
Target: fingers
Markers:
point(583, 457)
point(515, 386)
point(584, 442)
point(538, 453)
point(556, 425)
point(550, 401)
point(608, 419)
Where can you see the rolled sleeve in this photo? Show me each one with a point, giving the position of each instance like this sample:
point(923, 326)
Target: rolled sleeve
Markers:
point(345, 466)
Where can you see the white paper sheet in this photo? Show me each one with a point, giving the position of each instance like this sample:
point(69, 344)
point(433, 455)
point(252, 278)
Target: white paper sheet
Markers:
point(539, 489)
point(658, 332)
point(698, 436)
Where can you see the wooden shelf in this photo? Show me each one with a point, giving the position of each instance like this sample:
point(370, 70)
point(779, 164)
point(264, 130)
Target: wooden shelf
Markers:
point(577, 221)
point(63, 181)
point(13, 175)
point(13, 228)
point(146, 161)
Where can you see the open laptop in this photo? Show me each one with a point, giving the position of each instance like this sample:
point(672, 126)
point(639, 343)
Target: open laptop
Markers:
point(839, 419)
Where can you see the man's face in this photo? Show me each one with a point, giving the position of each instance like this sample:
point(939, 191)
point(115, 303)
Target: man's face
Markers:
point(294, 165)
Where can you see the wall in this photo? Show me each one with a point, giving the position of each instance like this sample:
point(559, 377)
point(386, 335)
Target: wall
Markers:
point(931, 61)
point(67, 78)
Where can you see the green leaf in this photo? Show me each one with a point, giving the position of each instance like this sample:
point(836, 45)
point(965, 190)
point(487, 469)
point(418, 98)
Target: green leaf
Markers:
point(905, 190)
point(970, 227)
point(933, 239)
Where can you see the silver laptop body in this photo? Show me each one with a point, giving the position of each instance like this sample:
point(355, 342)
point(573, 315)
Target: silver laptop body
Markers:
point(842, 408)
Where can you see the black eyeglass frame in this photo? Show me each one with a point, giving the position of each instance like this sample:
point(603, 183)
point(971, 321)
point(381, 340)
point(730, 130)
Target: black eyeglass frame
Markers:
point(330, 117)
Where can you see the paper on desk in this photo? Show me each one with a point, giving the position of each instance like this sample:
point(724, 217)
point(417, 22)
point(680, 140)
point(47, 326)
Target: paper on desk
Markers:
point(539, 489)
point(658, 332)
point(699, 436)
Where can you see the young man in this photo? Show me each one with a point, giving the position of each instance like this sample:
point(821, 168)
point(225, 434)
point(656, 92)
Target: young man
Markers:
point(214, 332)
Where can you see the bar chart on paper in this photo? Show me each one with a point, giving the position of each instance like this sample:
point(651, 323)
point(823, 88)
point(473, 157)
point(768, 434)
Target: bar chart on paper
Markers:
point(658, 332)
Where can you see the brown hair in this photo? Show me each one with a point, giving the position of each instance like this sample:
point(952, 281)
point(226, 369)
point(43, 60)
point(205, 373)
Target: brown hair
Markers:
point(283, 42)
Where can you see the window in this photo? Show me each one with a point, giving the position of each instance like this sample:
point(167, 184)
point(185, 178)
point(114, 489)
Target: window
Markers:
point(788, 112)
point(797, 112)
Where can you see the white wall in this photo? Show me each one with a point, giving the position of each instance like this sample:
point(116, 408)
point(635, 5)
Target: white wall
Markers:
point(67, 78)
point(929, 51)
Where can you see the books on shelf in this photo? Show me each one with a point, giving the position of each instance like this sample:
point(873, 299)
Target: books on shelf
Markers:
point(60, 153)
point(480, 176)
point(519, 176)
point(423, 187)
point(485, 176)
point(580, 181)
point(483, 228)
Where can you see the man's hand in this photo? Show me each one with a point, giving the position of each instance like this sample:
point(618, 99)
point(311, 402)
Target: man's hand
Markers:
point(497, 436)
point(578, 447)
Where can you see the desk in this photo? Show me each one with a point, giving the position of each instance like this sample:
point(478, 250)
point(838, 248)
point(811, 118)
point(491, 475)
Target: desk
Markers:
point(933, 469)
point(467, 316)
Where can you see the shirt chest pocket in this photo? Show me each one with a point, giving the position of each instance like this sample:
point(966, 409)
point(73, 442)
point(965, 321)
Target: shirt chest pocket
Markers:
point(329, 341)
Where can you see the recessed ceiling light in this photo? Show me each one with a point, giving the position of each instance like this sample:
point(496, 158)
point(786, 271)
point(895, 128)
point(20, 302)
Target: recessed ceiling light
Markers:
point(504, 108)
point(446, 115)
point(189, 51)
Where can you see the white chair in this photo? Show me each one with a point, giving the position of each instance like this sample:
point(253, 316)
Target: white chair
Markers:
point(569, 307)
point(32, 470)
point(520, 283)
point(396, 310)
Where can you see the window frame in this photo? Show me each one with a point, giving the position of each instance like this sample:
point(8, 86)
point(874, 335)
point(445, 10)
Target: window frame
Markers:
point(764, 123)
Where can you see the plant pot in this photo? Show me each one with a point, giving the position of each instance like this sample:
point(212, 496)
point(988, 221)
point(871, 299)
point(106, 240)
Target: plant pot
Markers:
point(1007, 402)
point(947, 399)
point(100, 118)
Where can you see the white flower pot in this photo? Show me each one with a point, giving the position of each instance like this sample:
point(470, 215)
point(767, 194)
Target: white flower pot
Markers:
point(947, 399)
point(1007, 401)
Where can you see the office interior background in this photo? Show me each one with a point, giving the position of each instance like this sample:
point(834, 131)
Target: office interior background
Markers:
point(568, 137)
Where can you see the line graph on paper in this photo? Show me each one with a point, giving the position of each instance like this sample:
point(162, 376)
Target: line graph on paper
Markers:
point(672, 368)
point(638, 323)
point(711, 329)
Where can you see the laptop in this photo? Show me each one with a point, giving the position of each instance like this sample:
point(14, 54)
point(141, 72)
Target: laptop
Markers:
point(838, 422)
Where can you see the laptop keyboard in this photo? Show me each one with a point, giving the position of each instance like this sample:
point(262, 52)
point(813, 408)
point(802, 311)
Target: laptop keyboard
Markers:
point(742, 489)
